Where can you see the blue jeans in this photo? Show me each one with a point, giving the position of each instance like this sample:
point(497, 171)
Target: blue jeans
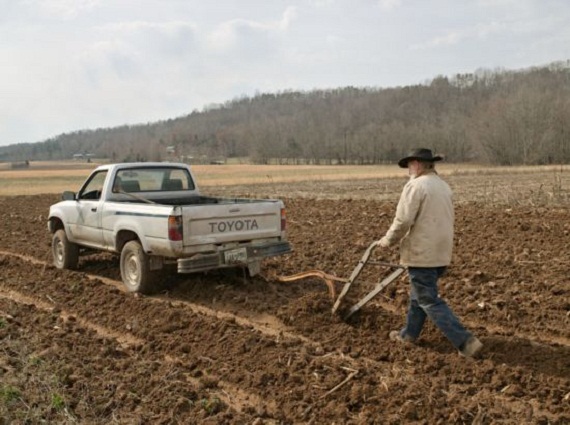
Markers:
point(425, 302)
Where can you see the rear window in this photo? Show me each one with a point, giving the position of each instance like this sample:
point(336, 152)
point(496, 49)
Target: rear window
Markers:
point(156, 179)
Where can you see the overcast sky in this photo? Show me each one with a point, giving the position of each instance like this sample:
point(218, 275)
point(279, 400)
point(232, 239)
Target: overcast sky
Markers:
point(68, 65)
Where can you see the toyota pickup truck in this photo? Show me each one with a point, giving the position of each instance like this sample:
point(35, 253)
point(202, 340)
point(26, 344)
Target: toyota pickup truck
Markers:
point(153, 215)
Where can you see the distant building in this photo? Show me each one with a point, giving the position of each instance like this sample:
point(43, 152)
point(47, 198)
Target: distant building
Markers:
point(81, 156)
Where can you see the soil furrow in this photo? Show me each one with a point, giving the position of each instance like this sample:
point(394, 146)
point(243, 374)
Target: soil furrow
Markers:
point(222, 348)
point(232, 396)
point(208, 346)
point(68, 372)
point(124, 339)
point(192, 346)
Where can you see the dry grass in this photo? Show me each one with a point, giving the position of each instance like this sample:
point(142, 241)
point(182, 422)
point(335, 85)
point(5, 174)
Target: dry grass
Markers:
point(55, 177)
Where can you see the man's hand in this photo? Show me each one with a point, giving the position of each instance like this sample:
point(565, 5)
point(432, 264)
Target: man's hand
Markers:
point(384, 243)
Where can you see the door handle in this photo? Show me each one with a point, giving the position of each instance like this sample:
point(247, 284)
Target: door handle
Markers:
point(94, 209)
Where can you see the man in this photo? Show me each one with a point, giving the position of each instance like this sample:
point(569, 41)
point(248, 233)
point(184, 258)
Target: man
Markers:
point(423, 226)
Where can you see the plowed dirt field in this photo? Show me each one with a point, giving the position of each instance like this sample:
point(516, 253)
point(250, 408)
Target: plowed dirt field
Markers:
point(222, 348)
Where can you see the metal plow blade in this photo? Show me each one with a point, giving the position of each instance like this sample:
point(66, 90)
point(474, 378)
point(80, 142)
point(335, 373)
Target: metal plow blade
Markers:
point(328, 278)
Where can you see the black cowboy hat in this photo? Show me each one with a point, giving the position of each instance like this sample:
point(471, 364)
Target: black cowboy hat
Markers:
point(420, 154)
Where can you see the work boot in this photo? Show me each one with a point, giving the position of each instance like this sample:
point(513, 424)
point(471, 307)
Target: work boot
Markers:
point(397, 336)
point(471, 347)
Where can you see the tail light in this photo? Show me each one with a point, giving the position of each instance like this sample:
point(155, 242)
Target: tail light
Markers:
point(283, 220)
point(175, 227)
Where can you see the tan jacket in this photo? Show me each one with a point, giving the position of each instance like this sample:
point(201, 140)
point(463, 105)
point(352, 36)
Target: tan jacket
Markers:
point(423, 223)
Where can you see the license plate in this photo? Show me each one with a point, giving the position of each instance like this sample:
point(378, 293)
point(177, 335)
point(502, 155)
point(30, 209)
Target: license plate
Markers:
point(234, 256)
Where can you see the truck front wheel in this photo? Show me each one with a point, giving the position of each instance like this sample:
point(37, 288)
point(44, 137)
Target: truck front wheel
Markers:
point(65, 253)
point(135, 268)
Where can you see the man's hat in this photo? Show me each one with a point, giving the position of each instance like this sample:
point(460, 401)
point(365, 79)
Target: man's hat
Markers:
point(420, 154)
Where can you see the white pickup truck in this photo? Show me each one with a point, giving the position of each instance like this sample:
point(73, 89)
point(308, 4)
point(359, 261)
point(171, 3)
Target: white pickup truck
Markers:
point(153, 215)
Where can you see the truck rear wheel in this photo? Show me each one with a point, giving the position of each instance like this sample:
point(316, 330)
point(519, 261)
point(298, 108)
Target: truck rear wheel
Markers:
point(65, 253)
point(135, 269)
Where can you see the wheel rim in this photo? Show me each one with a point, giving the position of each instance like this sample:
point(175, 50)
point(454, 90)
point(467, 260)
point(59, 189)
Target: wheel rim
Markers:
point(132, 268)
point(59, 251)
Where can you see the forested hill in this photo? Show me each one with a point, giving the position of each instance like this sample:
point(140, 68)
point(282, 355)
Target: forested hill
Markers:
point(499, 117)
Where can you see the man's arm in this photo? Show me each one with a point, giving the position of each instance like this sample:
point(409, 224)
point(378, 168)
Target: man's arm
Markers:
point(406, 213)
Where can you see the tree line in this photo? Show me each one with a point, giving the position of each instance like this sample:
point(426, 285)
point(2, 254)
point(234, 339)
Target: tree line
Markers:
point(496, 117)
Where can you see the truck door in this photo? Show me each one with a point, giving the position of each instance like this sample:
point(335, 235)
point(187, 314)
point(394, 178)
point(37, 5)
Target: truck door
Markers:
point(86, 226)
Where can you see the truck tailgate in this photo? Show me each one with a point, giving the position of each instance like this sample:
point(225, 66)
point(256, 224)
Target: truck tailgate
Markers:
point(221, 223)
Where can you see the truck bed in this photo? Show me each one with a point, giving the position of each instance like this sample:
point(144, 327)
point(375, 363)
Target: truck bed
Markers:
point(195, 200)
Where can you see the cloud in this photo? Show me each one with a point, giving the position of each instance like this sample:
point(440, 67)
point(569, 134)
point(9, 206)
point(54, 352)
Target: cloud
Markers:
point(163, 38)
point(480, 31)
point(322, 3)
point(109, 59)
point(454, 37)
point(61, 9)
point(72, 64)
point(389, 4)
point(137, 50)
point(445, 40)
point(238, 33)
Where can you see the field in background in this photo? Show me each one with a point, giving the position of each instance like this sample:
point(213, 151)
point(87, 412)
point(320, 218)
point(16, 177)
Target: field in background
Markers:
point(224, 348)
point(221, 347)
point(474, 182)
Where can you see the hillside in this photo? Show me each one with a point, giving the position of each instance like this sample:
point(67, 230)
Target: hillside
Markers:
point(496, 117)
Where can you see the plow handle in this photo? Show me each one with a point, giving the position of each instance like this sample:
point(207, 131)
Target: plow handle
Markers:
point(354, 274)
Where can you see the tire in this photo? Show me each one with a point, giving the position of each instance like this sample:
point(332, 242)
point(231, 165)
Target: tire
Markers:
point(135, 269)
point(65, 254)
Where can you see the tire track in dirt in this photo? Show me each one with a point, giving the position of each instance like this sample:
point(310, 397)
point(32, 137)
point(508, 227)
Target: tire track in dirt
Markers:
point(234, 396)
point(257, 322)
point(46, 264)
point(231, 395)
point(241, 400)
point(125, 340)
point(277, 329)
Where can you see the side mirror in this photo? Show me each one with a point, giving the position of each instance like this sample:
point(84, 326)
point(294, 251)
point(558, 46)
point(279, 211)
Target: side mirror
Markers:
point(68, 196)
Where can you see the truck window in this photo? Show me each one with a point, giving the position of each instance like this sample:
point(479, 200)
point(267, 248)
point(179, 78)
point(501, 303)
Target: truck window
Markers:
point(176, 180)
point(153, 179)
point(93, 187)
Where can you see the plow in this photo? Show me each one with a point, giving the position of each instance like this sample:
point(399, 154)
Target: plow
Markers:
point(329, 279)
